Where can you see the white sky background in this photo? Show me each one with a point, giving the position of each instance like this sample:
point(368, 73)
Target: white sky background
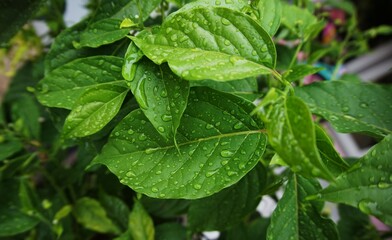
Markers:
point(75, 11)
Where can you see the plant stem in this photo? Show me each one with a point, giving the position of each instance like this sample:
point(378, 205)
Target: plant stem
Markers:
point(293, 60)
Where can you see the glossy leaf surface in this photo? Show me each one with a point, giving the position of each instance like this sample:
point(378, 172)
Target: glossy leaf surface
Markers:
point(226, 147)
point(296, 218)
point(204, 43)
point(269, 13)
point(367, 185)
point(351, 107)
point(63, 86)
point(94, 109)
point(300, 71)
point(103, 32)
point(235, 203)
point(161, 95)
point(292, 135)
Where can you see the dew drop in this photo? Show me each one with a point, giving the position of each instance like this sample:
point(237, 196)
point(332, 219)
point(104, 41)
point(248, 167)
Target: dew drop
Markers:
point(224, 162)
point(383, 185)
point(174, 37)
point(197, 186)
point(254, 53)
point(130, 132)
point(364, 105)
point(238, 125)
point(209, 126)
point(116, 134)
point(166, 118)
point(227, 42)
point(158, 172)
point(226, 153)
point(130, 174)
point(164, 94)
point(345, 109)
point(225, 22)
point(142, 137)
point(154, 190)
point(264, 48)
point(161, 129)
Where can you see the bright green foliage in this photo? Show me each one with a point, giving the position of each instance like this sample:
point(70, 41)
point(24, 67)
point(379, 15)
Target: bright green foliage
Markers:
point(367, 184)
point(296, 218)
point(365, 109)
point(236, 202)
point(162, 119)
point(226, 146)
point(63, 86)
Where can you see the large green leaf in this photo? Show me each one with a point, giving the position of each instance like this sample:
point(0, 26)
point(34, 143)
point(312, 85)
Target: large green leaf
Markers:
point(328, 153)
point(94, 109)
point(140, 224)
point(14, 14)
point(64, 85)
point(161, 95)
point(211, 43)
point(14, 218)
point(90, 213)
point(296, 218)
point(117, 210)
point(237, 5)
point(291, 133)
point(269, 13)
point(351, 107)
point(227, 144)
point(231, 204)
point(103, 32)
point(367, 184)
point(165, 208)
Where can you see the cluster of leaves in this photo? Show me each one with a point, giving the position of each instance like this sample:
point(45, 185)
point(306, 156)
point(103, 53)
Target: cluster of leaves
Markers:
point(146, 127)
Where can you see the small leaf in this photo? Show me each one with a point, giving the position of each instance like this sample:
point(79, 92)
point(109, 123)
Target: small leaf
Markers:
point(269, 13)
point(328, 154)
point(13, 218)
point(226, 146)
point(231, 204)
point(165, 208)
point(300, 71)
point(127, 23)
point(116, 209)
point(219, 44)
point(295, 218)
point(25, 113)
point(291, 133)
point(161, 95)
point(90, 213)
point(140, 223)
point(103, 32)
point(63, 86)
point(9, 145)
point(94, 109)
point(367, 185)
point(299, 21)
point(351, 107)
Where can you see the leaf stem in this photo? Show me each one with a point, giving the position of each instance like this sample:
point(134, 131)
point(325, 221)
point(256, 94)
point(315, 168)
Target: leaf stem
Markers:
point(293, 60)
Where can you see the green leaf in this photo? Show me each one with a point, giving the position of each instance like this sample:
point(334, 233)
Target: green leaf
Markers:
point(211, 43)
point(90, 213)
point(63, 86)
point(351, 107)
point(140, 223)
point(170, 231)
point(269, 13)
point(292, 135)
point(14, 14)
point(228, 143)
point(328, 154)
point(299, 21)
point(246, 88)
point(165, 208)
point(353, 224)
point(232, 204)
point(300, 71)
point(236, 5)
point(116, 209)
point(25, 115)
point(252, 230)
point(103, 32)
point(136, 10)
point(13, 218)
point(367, 185)
point(95, 108)
point(161, 95)
point(9, 145)
point(296, 218)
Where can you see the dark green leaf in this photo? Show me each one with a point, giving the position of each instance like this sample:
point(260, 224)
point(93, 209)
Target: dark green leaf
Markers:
point(328, 154)
point(246, 88)
point(140, 223)
point(351, 107)
point(63, 86)
point(296, 218)
point(161, 95)
point(231, 204)
point(103, 32)
point(26, 116)
point(254, 230)
point(165, 208)
point(13, 218)
point(353, 224)
point(90, 213)
point(292, 135)
point(170, 231)
point(211, 43)
point(367, 185)
point(269, 13)
point(14, 14)
point(95, 108)
point(9, 145)
point(228, 143)
point(300, 71)
point(116, 210)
